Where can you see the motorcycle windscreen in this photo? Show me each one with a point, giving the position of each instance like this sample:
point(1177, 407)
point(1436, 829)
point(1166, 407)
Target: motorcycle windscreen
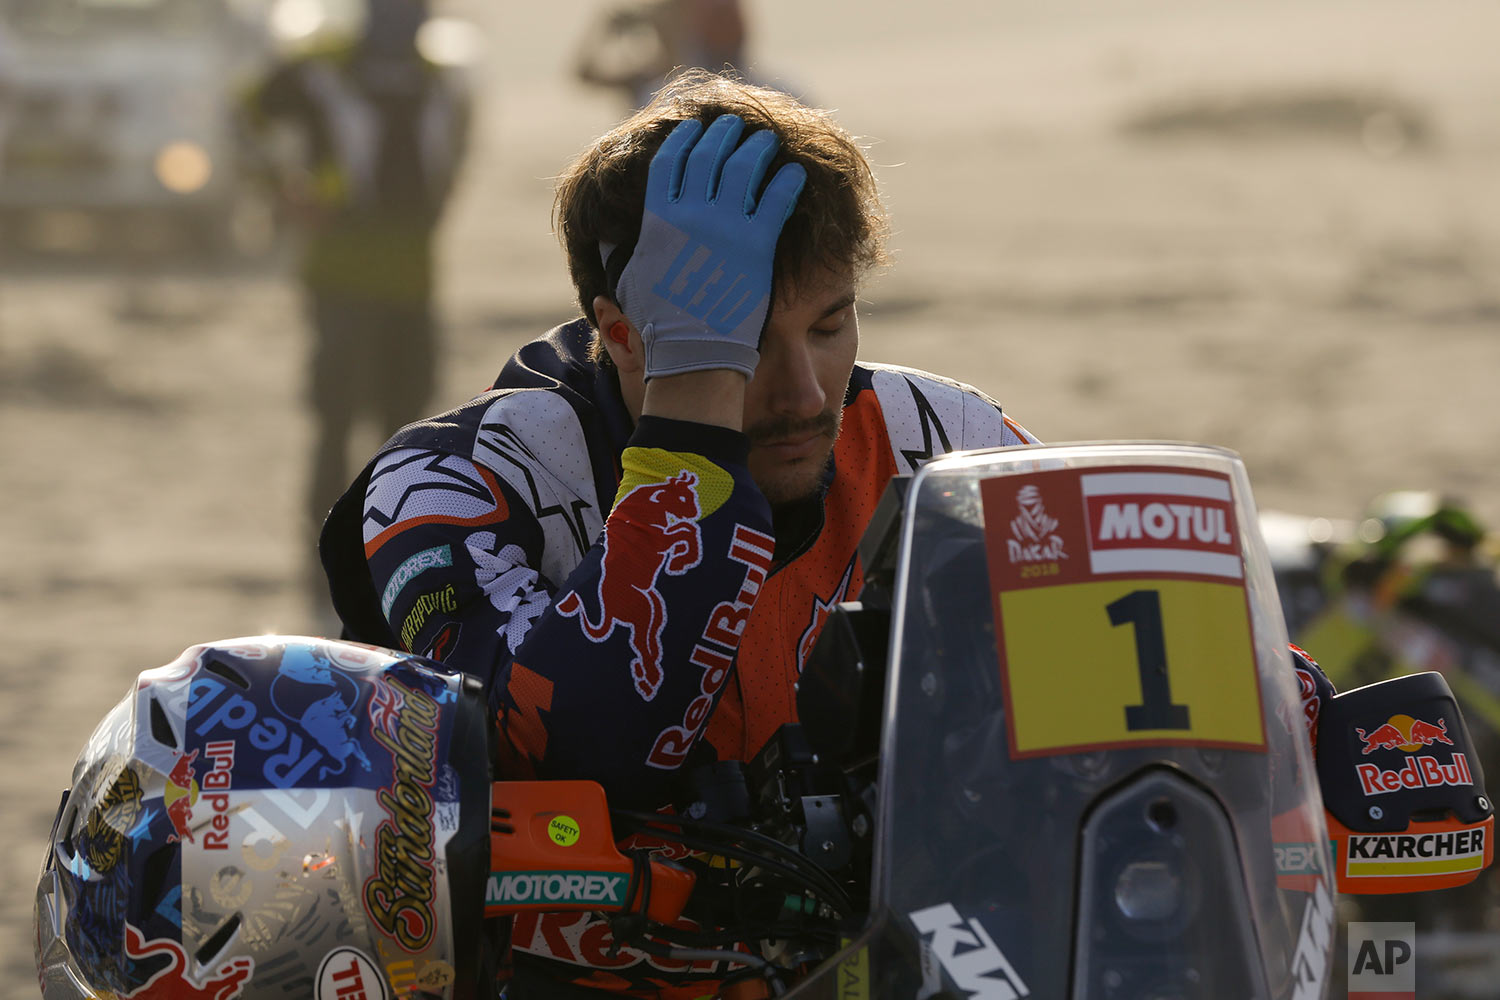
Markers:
point(1097, 776)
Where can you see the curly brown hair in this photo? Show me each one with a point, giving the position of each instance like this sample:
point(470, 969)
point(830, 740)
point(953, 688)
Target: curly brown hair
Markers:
point(838, 222)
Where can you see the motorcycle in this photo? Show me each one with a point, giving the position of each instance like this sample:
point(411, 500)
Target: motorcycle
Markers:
point(1055, 749)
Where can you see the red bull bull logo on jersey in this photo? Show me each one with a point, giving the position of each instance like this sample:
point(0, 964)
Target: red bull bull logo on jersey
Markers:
point(714, 653)
point(1402, 732)
point(667, 512)
point(172, 982)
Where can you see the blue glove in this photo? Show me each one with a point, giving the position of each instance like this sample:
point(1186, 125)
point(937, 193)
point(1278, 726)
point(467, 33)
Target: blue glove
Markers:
point(698, 285)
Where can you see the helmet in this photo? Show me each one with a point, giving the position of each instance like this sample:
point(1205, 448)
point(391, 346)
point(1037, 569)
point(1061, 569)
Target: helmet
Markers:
point(276, 814)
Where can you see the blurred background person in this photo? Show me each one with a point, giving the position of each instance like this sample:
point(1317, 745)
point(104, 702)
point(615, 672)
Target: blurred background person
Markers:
point(636, 47)
point(381, 131)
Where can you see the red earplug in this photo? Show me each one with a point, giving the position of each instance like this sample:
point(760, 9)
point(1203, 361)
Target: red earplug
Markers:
point(619, 333)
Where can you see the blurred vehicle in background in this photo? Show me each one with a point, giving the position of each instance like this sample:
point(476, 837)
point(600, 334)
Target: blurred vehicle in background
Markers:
point(115, 131)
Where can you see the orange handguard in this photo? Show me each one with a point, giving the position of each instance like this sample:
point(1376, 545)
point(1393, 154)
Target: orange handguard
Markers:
point(552, 848)
point(1438, 854)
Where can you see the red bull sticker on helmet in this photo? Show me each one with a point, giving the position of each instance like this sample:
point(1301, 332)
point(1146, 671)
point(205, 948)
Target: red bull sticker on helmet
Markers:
point(180, 795)
point(1144, 565)
point(172, 982)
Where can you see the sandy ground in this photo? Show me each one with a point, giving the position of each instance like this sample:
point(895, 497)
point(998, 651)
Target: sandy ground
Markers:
point(1305, 289)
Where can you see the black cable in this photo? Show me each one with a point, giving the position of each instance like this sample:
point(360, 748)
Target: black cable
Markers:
point(748, 933)
point(806, 871)
point(820, 883)
point(729, 831)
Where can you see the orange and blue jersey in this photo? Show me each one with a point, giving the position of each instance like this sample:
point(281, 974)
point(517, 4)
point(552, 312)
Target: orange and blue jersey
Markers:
point(622, 587)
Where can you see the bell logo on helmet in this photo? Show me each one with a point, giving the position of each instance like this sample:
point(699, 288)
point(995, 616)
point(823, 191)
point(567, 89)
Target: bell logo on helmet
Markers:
point(348, 974)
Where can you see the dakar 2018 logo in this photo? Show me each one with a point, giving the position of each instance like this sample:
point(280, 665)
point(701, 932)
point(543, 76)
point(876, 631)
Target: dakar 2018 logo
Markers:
point(666, 513)
point(399, 895)
point(1033, 530)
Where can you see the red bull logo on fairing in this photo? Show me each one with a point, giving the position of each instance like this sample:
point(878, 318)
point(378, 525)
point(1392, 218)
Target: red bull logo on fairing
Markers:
point(1402, 732)
point(172, 982)
point(668, 513)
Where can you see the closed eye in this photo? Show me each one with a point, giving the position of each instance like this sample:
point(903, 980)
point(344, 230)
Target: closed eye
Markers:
point(832, 324)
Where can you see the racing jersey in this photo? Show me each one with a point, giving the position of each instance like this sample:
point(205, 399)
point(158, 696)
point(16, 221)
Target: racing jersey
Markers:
point(622, 587)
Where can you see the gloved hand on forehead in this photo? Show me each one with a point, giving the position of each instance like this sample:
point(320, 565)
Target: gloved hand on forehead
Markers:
point(698, 285)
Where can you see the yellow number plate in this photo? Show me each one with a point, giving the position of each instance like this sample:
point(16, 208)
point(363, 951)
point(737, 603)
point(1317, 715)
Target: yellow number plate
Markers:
point(1120, 610)
point(1068, 688)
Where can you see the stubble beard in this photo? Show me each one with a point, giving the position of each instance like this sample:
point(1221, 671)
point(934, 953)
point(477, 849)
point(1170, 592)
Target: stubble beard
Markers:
point(790, 482)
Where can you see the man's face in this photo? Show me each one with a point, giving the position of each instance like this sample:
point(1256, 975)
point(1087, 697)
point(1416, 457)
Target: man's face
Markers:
point(794, 403)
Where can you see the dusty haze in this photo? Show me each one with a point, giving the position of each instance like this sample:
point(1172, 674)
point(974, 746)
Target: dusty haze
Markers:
point(1269, 226)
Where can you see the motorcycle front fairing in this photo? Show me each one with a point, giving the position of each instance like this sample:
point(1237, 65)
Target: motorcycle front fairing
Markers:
point(1095, 777)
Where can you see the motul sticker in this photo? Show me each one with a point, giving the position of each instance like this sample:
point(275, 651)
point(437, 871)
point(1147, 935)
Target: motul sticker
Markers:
point(1069, 526)
point(1174, 522)
point(349, 974)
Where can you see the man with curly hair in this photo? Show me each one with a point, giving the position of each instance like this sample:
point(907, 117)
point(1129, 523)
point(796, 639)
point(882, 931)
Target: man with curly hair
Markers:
point(634, 537)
